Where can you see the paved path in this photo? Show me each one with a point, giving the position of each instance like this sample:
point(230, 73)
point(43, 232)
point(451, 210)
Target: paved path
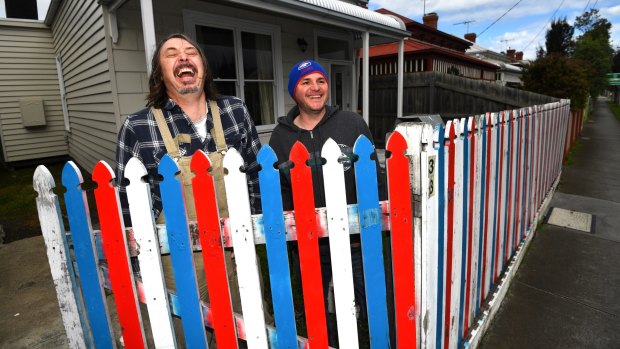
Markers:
point(566, 293)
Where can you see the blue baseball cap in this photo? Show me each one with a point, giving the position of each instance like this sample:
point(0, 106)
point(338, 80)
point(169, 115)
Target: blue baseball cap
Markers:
point(301, 69)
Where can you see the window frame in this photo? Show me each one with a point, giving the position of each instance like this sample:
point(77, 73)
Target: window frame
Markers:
point(193, 18)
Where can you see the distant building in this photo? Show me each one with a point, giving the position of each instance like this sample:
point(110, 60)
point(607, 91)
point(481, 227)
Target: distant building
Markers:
point(509, 65)
point(429, 49)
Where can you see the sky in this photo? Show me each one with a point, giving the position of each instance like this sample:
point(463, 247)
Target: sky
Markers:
point(523, 28)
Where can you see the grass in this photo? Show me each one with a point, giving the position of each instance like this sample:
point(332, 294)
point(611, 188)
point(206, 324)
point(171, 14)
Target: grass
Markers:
point(615, 109)
point(18, 210)
point(569, 158)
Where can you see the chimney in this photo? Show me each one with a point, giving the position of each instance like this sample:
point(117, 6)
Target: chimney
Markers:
point(519, 55)
point(471, 37)
point(511, 53)
point(430, 20)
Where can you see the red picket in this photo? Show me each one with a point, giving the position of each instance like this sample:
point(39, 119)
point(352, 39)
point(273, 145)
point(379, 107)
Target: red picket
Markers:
point(213, 252)
point(116, 252)
point(308, 243)
point(401, 217)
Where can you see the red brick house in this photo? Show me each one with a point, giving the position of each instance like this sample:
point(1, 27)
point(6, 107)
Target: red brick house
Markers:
point(429, 49)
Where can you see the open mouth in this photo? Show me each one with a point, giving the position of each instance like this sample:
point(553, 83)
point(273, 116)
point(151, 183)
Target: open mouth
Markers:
point(185, 72)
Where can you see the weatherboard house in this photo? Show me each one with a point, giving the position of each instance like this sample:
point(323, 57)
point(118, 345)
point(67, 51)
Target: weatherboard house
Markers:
point(429, 49)
point(67, 83)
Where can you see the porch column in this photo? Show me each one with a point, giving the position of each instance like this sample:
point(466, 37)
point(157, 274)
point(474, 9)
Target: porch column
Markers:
point(148, 31)
point(365, 76)
point(399, 88)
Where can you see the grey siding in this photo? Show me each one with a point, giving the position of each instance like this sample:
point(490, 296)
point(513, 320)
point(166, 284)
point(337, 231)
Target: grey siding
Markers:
point(129, 61)
point(79, 38)
point(28, 69)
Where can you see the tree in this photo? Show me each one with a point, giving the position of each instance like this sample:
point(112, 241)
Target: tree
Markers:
point(591, 22)
point(592, 48)
point(558, 76)
point(560, 38)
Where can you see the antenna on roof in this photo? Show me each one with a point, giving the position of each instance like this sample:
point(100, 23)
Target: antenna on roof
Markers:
point(505, 41)
point(466, 23)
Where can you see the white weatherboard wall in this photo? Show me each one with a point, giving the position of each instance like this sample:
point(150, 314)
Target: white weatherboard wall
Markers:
point(80, 40)
point(28, 70)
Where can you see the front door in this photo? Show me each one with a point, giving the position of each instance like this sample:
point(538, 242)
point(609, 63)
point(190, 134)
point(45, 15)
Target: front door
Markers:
point(340, 86)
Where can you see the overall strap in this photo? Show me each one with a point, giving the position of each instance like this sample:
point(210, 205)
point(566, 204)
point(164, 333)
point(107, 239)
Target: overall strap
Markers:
point(171, 146)
point(217, 132)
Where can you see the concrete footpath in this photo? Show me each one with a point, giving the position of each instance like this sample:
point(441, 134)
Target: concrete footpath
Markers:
point(566, 293)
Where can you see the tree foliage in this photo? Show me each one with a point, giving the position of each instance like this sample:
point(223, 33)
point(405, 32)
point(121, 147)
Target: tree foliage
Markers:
point(573, 69)
point(592, 48)
point(558, 76)
point(560, 38)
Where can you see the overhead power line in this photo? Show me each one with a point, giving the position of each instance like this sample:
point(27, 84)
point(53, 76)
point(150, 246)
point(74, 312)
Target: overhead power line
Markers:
point(500, 17)
point(545, 25)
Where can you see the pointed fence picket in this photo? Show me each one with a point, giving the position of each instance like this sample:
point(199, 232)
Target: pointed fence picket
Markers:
point(463, 202)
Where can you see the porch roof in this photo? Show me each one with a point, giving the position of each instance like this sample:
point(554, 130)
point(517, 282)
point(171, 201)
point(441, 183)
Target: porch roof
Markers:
point(337, 13)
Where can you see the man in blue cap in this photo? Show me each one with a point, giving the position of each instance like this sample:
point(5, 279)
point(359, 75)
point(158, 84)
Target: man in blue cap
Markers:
point(313, 122)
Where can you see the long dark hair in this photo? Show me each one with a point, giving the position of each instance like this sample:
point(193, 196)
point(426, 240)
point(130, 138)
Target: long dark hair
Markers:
point(157, 96)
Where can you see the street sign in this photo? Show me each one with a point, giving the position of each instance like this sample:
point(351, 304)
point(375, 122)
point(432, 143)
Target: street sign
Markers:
point(613, 79)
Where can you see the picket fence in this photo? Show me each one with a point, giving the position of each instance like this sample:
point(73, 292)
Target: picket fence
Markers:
point(462, 201)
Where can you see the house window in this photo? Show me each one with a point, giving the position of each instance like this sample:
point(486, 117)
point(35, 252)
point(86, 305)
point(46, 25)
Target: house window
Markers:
point(334, 49)
point(242, 57)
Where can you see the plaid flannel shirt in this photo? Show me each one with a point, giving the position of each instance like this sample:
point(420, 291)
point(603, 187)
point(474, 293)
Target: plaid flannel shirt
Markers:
point(140, 137)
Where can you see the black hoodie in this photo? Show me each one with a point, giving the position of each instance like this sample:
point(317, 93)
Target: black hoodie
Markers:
point(344, 127)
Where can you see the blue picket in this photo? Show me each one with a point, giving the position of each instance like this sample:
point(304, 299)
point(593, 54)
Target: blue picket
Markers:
point(372, 242)
point(277, 256)
point(181, 254)
point(86, 257)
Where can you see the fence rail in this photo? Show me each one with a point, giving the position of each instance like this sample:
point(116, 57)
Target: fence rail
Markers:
point(462, 200)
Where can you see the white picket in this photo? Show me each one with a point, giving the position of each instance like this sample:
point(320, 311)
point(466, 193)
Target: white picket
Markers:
point(340, 245)
point(243, 247)
point(428, 270)
point(139, 199)
point(58, 256)
point(492, 205)
point(476, 191)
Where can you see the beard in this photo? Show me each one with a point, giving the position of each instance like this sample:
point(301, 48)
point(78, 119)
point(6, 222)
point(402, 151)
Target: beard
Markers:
point(188, 89)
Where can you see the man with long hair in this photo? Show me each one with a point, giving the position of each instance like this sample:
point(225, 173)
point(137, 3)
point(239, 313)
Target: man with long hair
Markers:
point(184, 114)
point(182, 91)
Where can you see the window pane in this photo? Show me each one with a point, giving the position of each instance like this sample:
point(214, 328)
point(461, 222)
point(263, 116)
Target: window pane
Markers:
point(259, 100)
point(257, 56)
point(218, 46)
point(226, 88)
point(333, 49)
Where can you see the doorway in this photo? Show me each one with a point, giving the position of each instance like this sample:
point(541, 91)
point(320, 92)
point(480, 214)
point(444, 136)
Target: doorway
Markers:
point(340, 86)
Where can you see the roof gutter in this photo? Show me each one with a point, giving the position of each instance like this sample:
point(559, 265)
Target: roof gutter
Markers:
point(337, 13)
